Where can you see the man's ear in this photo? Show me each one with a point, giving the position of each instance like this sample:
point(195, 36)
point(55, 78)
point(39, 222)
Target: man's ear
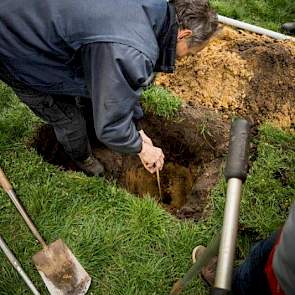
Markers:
point(185, 33)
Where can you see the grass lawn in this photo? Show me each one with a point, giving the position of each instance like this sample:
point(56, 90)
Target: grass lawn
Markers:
point(130, 245)
point(270, 14)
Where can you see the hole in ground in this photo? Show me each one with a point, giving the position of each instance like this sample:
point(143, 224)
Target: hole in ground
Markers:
point(176, 183)
point(191, 169)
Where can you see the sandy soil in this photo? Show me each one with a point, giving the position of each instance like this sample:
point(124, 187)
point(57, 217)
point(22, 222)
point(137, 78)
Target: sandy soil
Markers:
point(240, 73)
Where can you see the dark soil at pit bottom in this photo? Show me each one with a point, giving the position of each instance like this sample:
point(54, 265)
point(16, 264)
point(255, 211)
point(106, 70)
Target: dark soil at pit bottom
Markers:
point(192, 167)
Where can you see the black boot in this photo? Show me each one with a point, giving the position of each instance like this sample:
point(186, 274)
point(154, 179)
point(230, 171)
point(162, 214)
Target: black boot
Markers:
point(289, 28)
point(91, 166)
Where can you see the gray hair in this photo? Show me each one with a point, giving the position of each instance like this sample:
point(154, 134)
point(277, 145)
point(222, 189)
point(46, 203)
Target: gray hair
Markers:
point(196, 15)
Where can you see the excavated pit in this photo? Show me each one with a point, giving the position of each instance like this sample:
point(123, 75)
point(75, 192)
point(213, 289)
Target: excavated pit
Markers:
point(238, 74)
point(194, 143)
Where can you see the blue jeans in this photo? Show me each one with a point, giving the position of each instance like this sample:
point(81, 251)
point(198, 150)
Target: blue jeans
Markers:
point(249, 278)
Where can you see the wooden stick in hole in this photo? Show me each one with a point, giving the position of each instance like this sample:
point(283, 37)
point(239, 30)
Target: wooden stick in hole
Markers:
point(159, 184)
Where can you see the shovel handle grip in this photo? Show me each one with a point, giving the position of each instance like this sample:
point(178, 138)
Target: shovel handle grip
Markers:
point(4, 182)
point(237, 160)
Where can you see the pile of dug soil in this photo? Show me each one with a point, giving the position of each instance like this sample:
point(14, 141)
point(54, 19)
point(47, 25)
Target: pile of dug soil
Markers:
point(239, 73)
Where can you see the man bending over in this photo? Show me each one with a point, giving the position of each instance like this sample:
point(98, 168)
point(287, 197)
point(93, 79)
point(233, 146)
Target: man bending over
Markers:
point(104, 52)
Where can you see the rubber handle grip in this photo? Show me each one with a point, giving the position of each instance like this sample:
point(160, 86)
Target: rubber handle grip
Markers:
point(237, 160)
point(217, 291)
point(4, 181)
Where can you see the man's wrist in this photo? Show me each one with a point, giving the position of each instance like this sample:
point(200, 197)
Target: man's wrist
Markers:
point(140, 144)
point(142, 148)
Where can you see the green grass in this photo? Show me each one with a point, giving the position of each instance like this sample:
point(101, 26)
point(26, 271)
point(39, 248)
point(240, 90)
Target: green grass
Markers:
point(128, 245)
point(269, 14)
point(159, 101)
point(270, 187)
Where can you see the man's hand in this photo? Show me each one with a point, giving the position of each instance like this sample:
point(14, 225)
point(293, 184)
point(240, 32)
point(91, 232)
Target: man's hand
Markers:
point(145, 138)
point(151, 157)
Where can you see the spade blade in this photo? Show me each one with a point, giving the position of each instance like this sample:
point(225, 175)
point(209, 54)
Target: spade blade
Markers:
point(61, 271)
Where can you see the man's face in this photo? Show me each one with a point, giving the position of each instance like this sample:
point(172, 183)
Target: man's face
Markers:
point(183, 48)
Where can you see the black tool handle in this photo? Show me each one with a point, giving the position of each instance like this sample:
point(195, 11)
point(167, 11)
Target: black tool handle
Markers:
point(217, 291)
point(237, 160)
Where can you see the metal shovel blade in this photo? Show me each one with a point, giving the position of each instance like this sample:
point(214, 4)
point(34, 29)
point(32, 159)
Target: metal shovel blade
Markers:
point(61, 271)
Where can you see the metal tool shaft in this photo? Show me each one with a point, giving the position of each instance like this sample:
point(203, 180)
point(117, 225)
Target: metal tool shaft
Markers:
point(17, 266)
point(209, 253)
point(229, 234)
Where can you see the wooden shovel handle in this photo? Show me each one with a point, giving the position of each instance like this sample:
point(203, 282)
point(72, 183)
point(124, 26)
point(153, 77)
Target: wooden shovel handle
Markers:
point(8, 188)
point(4, 181)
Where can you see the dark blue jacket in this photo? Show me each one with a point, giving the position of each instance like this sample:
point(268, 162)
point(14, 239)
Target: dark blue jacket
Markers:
point(39, 39)
point(40, 44)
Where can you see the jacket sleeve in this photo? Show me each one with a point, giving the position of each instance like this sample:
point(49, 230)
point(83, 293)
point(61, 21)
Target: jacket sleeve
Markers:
point(284, 257)
point(114, 74)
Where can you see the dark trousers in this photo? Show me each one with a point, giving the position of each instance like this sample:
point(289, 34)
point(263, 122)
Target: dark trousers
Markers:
point(249, 278)
point(66, 114)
